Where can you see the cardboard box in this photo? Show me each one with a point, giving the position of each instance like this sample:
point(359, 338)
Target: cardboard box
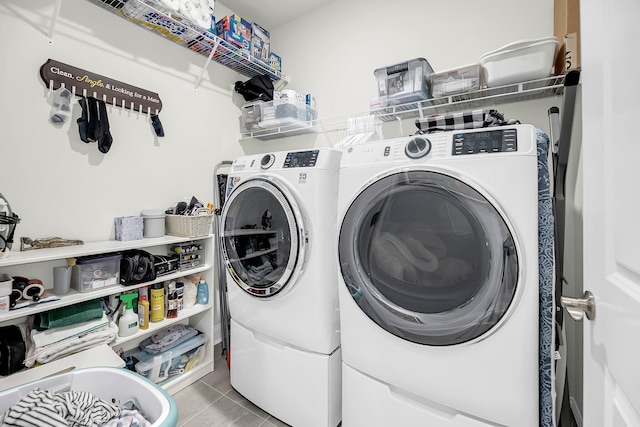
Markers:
point(275, 62)
point(260, 43)
point(235, 30)
point(566, 27)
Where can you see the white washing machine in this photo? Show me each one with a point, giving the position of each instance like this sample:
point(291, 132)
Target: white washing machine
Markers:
point(278, 230)
point(438, 280)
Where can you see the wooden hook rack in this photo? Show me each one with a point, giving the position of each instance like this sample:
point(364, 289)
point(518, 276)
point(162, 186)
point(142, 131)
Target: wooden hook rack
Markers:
point(86, 83)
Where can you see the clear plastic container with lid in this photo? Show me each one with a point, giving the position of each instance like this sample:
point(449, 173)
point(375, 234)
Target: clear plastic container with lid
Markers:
point(459, 80)
point(403, 83)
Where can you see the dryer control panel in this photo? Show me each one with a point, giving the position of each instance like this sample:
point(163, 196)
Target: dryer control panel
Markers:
point(490, 141)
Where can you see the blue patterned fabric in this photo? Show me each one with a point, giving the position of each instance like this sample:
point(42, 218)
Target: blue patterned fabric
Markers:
point(545, 265)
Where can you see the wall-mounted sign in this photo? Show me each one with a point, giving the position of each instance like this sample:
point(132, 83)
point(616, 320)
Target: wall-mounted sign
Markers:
point(87, 83)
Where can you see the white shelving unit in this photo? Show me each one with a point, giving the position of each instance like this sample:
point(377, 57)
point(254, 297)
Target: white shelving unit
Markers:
point(39, 264)
point(483, 98)
point(172, 26)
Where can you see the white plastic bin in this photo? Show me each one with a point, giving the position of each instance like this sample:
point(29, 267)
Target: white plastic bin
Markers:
point(519, 61)
point(113, 385)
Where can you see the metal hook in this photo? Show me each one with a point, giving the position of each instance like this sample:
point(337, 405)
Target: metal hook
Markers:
point(104, 97)
point(149, 110)
point(140, 108)
point(84, 93)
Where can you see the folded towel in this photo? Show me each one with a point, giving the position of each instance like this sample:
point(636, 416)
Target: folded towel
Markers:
point(59, 350)
point(463, 120)
point(70, 315)
point(56, 335)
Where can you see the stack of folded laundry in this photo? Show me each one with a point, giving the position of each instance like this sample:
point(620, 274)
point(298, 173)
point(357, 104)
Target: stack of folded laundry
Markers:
point(67, 330)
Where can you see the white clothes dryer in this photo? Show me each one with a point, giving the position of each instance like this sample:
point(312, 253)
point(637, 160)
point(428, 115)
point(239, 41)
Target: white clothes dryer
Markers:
point(278, 233)
point(438, 280)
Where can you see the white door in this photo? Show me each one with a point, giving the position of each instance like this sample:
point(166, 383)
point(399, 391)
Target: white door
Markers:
point(611, 155)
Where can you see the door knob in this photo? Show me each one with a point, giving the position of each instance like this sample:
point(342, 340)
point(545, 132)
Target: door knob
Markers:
point(578, 307)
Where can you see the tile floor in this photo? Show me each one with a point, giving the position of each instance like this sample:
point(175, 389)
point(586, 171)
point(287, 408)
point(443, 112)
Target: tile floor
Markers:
point(212, 402)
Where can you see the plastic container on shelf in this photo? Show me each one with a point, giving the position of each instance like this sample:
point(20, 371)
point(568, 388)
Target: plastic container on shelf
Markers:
point(96, 272)
point(251, 116)
point(293, 115)
point(458, 80)
point(177, 360)
point(520, 61)
point(404, 82)
point(154, 223)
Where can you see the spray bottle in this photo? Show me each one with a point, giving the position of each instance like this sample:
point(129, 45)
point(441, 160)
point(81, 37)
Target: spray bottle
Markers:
point(128, 322)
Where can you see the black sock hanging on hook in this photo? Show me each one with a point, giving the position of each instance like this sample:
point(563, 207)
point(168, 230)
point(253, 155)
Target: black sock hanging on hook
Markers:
point(93, 128)
point(104, 137)
point(157, 125)
point(83, 120)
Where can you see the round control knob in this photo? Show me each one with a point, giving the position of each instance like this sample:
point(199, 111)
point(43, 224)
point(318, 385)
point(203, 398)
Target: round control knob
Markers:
point(267, 161)
point(417, 147)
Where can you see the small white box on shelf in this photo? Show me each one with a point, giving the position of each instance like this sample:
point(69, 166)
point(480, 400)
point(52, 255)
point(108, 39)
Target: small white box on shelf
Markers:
point(129, 228)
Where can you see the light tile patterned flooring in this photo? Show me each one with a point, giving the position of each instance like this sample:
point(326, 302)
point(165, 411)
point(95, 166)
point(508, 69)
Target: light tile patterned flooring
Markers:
point(212, 402)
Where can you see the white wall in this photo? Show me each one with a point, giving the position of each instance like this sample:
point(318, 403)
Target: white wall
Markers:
point(334, 51)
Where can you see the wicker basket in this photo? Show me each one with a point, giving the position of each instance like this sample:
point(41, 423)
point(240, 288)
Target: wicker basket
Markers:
point(189, 226)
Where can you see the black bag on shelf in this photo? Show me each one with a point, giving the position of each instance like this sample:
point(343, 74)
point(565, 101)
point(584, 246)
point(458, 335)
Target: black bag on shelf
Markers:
point(137, 266)
point(12, 350)
point(257, 88)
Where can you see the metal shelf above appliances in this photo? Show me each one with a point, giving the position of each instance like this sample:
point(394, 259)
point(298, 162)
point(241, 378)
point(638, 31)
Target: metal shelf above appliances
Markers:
point(524, 91)
point(170, 25)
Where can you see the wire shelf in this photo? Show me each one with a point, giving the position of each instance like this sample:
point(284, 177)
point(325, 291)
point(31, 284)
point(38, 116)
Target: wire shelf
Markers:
point(336, 127)
point(171, 25)
point(542, 88)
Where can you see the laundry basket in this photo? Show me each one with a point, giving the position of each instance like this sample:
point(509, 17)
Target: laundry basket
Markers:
point(113, 385)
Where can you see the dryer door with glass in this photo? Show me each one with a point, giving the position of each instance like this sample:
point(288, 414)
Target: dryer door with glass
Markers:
point(261, 229)
point(428, 258)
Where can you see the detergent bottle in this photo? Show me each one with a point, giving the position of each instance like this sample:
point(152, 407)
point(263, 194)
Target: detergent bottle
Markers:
point(128, 322)
point(143, 312)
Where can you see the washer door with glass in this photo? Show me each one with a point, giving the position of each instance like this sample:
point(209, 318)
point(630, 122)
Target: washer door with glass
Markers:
point(428, 258)
point(260, 239)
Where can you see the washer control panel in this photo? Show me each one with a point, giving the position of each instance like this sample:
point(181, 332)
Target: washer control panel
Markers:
point(490, 141)
point(301, 159)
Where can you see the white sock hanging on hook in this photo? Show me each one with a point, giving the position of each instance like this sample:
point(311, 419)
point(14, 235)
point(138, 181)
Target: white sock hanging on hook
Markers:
point(61, 107)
